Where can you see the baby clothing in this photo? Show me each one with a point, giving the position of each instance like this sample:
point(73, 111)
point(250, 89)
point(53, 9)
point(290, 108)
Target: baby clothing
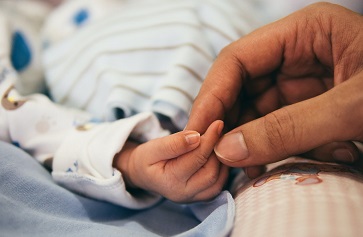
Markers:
point(105, 60)
point(81, 151)
point(118, 58)
point(70, 139)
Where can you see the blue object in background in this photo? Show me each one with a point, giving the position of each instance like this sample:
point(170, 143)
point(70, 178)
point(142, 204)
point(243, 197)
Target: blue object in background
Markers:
point(21, 55)
point(80, 17)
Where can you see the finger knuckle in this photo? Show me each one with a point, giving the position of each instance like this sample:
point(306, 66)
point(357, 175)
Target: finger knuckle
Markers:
point(173, 147)
point(280, 131)
point(212, 178)
point(201, 159)
point(225, 50)
point(320, 8)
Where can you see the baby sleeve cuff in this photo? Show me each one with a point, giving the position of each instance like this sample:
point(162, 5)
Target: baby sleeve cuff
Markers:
point(83, 163)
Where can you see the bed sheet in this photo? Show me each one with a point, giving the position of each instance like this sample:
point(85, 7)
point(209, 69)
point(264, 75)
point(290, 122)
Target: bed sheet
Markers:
point(32, 204)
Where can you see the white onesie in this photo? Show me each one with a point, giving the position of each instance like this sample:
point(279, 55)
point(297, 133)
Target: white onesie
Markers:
point(106, 60)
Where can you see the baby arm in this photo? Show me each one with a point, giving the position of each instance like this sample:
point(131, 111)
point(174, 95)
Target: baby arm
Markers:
point(181, 167)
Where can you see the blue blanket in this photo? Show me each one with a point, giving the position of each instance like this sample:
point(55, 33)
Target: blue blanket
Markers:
point(31, 204)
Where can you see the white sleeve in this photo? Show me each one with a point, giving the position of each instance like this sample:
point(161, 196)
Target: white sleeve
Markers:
point(84, 160)
point(34, 123)
point(82, 152)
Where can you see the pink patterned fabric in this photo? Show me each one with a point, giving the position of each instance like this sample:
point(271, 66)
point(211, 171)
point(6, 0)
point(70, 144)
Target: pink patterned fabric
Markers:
point(301, 198)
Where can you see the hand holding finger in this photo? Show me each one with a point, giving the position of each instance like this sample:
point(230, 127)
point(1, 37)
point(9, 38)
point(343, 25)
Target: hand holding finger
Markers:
point(293, 129)
point(187, 165)
point(166, 165)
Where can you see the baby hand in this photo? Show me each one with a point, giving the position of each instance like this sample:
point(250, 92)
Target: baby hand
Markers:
point(181, 167)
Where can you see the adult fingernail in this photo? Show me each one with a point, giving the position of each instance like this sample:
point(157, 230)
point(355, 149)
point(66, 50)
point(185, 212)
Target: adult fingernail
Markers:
point(343, 155)
point(192, 137)
point(232, 147)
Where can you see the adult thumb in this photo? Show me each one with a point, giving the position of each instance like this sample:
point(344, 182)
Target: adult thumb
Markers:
point(291, 130)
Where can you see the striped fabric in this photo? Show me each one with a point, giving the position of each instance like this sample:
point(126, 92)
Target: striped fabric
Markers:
point(302, 198)
point(138, 55)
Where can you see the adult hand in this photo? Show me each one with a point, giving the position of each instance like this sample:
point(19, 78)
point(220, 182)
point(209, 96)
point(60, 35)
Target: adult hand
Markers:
point(278, 81)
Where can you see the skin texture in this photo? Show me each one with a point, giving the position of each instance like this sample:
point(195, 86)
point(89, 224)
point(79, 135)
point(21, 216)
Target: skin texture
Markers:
point(181, 167)
point(291, 87)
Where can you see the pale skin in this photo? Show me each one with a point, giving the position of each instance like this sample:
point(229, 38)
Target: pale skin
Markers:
point(181, 167)
point(291, 87)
